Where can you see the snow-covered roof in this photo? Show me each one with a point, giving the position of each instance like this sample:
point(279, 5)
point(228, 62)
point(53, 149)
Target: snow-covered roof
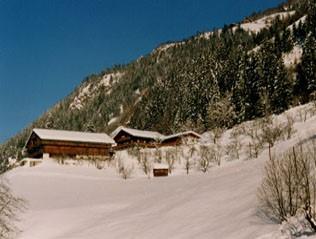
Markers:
point(160, 166)
point(181, 134)
point(76, 136)
point(138, 133)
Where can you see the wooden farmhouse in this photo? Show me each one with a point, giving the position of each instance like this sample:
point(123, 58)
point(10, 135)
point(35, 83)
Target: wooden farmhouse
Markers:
point(188, 137)
point(52, 143)
point(126, 138)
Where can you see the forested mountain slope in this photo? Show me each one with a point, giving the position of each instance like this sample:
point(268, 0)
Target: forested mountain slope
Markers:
point(263, 65)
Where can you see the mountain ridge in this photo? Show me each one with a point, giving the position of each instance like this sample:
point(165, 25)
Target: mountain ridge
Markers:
point(210, 71)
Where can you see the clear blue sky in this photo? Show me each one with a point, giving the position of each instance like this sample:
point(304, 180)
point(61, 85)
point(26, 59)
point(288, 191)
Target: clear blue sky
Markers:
point(47, 47)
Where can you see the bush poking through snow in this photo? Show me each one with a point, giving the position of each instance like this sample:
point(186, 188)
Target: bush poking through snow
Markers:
point(216, 134)
point(9, 207)
point(125, 168)
point(171, 157)
point(296, 226)
point(235, 145)
point(188, 154)
point(290, 185)
point(272, 131)
point(207, 154)
point(134, 151)
point(288, 128)
point(313, 104)
point(158, 153)
point(145, 163)
point(218, 154)
point(252, 130)
point(303, 113)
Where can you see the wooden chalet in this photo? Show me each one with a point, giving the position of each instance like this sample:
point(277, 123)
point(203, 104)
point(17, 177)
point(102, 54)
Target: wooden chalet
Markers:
point(52, 143)
point(126, 138)
point(188, 137)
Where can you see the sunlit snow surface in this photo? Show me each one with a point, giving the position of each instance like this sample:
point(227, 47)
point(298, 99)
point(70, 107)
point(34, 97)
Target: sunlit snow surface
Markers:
point(76, 202)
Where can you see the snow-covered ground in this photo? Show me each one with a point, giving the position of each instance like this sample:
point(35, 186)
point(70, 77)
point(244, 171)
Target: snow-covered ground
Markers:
point(80, 202)
point(76, 202)
point(257, 25)
point(88, 90)
point(293, 57)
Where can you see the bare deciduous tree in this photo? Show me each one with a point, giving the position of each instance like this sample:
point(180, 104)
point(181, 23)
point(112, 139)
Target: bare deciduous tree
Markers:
point(218, 153)
point(288, 128)
point(171, 159)
point(125, 170)
point(146, 163)
point(216, 133)
point(289, 185)
point(9, 207)
point(188, 157)
point(207, 154)
point(235, 144)
point(303, 113)
point(158, 153)
point(252, 130)
point(313, 104)
point(271, 131)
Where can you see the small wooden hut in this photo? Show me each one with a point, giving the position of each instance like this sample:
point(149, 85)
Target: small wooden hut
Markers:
point(160, 170)
point(48, 142)
point(126, 138)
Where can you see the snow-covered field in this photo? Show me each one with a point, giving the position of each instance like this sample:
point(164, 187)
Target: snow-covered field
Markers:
point(81, 202)
point(76, 202)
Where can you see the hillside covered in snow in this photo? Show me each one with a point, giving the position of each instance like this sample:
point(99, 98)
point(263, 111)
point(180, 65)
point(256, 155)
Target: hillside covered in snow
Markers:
point(77, 200)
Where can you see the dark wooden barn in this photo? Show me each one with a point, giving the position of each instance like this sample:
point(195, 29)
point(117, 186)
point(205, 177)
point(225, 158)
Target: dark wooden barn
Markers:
point(54, 143)
point(188, 137)
point(126, 138)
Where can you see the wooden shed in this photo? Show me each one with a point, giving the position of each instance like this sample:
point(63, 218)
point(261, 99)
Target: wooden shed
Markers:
point(160, 170)
point(188, 137)
point(126, 138)
point(43, 142)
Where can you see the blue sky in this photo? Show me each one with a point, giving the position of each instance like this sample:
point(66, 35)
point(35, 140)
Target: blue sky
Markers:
point(47, 47)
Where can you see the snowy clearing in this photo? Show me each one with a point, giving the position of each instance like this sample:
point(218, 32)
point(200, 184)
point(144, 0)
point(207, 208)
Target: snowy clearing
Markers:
point(87, 91)
point(293, 57)
point(265, 22)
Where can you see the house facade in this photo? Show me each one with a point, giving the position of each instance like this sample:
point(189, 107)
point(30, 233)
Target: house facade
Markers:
point(126, 138)
point(56, 143)
point(188, 137)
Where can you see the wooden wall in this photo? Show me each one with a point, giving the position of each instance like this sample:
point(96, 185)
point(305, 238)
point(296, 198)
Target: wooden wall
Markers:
point(125, 141)
point(36, 147)
point(175, 141)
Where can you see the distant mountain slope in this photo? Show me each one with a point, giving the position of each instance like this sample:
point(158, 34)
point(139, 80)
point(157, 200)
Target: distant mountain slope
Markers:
point(211, 80)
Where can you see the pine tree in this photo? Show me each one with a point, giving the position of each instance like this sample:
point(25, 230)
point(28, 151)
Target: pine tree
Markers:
point(282, 89)
point(306, 72)
point(239, 88)
point(311, 17)
point(274, 83)
point(253, 104)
